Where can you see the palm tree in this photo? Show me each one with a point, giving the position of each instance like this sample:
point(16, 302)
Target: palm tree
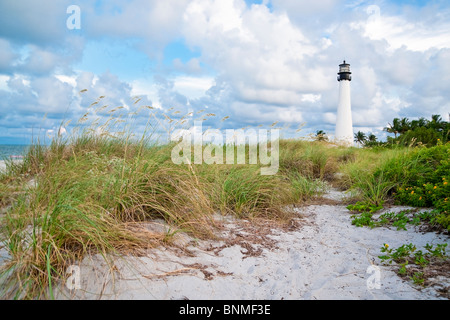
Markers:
point(371, 137)
point(360, 137)
point(321, 135)
point(420, 123)
point(394, 127)
point(436, 122)
point(405, 125)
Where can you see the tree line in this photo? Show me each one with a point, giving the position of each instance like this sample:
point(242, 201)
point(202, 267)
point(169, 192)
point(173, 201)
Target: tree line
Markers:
point(406, 132)
point(413, 132)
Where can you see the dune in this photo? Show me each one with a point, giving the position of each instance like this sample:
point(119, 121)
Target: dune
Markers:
point(321, 256)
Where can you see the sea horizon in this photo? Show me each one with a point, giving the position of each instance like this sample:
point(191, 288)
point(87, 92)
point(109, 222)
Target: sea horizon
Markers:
point(11, 151)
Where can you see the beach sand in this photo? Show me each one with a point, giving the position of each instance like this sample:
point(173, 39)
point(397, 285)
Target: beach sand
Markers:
point(322, 256)
point(2, 165)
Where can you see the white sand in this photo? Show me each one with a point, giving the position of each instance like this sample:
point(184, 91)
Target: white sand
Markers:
point(325, 257)
point(3, 164)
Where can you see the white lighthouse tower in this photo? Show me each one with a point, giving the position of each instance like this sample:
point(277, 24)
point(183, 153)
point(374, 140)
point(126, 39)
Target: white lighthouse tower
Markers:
point(344, 124)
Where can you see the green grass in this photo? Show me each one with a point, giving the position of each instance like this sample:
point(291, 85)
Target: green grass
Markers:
point(92, 192)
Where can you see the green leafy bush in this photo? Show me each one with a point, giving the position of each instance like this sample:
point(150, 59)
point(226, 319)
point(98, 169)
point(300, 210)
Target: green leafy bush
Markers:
point(425, 136)
point(424, 176)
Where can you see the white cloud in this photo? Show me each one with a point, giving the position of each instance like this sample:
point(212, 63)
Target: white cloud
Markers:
point(53, 96)
point(311, 97)
point(154, 22)
point(305, 8)
point(4, 82)
point(258, 53)
point(7, 56)
point(256, 114)
point(71, 80)
point(254, 64)
point(276, 61)
point(147, 88)
point(398, 32)
point(193, 87)
point(37, 22)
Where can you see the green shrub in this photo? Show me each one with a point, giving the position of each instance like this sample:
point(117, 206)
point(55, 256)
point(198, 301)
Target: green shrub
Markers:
point(424, 177)
point(425, 136)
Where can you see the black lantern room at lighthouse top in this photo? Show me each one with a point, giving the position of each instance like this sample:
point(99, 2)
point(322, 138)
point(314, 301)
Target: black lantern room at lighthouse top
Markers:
point(344, 72)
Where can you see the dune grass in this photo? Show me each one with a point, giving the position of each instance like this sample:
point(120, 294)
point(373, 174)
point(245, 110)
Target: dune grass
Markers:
point(92, 193)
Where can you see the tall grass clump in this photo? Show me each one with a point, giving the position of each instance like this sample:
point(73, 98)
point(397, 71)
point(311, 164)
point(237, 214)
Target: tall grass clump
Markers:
point(68, 214)
point(244, 193)
point(92, 192)
point(366, 174)
point(89, 194)
point(313, 160)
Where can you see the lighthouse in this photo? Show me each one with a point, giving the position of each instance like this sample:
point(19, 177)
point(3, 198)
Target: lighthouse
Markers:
point(344, 125)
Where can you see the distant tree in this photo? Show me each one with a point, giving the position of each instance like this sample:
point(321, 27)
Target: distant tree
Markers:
point(394, 127)
point(360, 137)
point(405, 125)
point(446, 132)
point(321, 135)
point(371, 137)
point(421, 122)
point(420, 131)
point(371, 141)
point(436, 123)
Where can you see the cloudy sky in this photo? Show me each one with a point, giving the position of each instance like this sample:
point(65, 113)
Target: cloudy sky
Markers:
point(256, 62)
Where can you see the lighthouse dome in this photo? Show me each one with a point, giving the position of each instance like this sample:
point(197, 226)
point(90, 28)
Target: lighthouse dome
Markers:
point(344, 72)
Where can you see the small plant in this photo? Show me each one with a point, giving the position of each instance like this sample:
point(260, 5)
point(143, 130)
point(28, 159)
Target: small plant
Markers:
point(418, 278)
point(402, 270)
point(364, 207)
point(440, 250)
point(414, 263)
point(364, 219)
point(398, 255)
point(420, 259)
point(398, 220)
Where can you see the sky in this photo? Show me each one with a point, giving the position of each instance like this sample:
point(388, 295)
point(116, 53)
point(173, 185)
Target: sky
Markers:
point(256, 62)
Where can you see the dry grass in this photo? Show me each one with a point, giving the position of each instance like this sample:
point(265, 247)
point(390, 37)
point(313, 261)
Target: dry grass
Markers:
point(93, 191)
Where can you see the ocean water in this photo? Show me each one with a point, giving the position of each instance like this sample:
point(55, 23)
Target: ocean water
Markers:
point(12, 151)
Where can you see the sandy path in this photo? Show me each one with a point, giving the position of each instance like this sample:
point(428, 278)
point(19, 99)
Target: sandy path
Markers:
point(325, 257)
